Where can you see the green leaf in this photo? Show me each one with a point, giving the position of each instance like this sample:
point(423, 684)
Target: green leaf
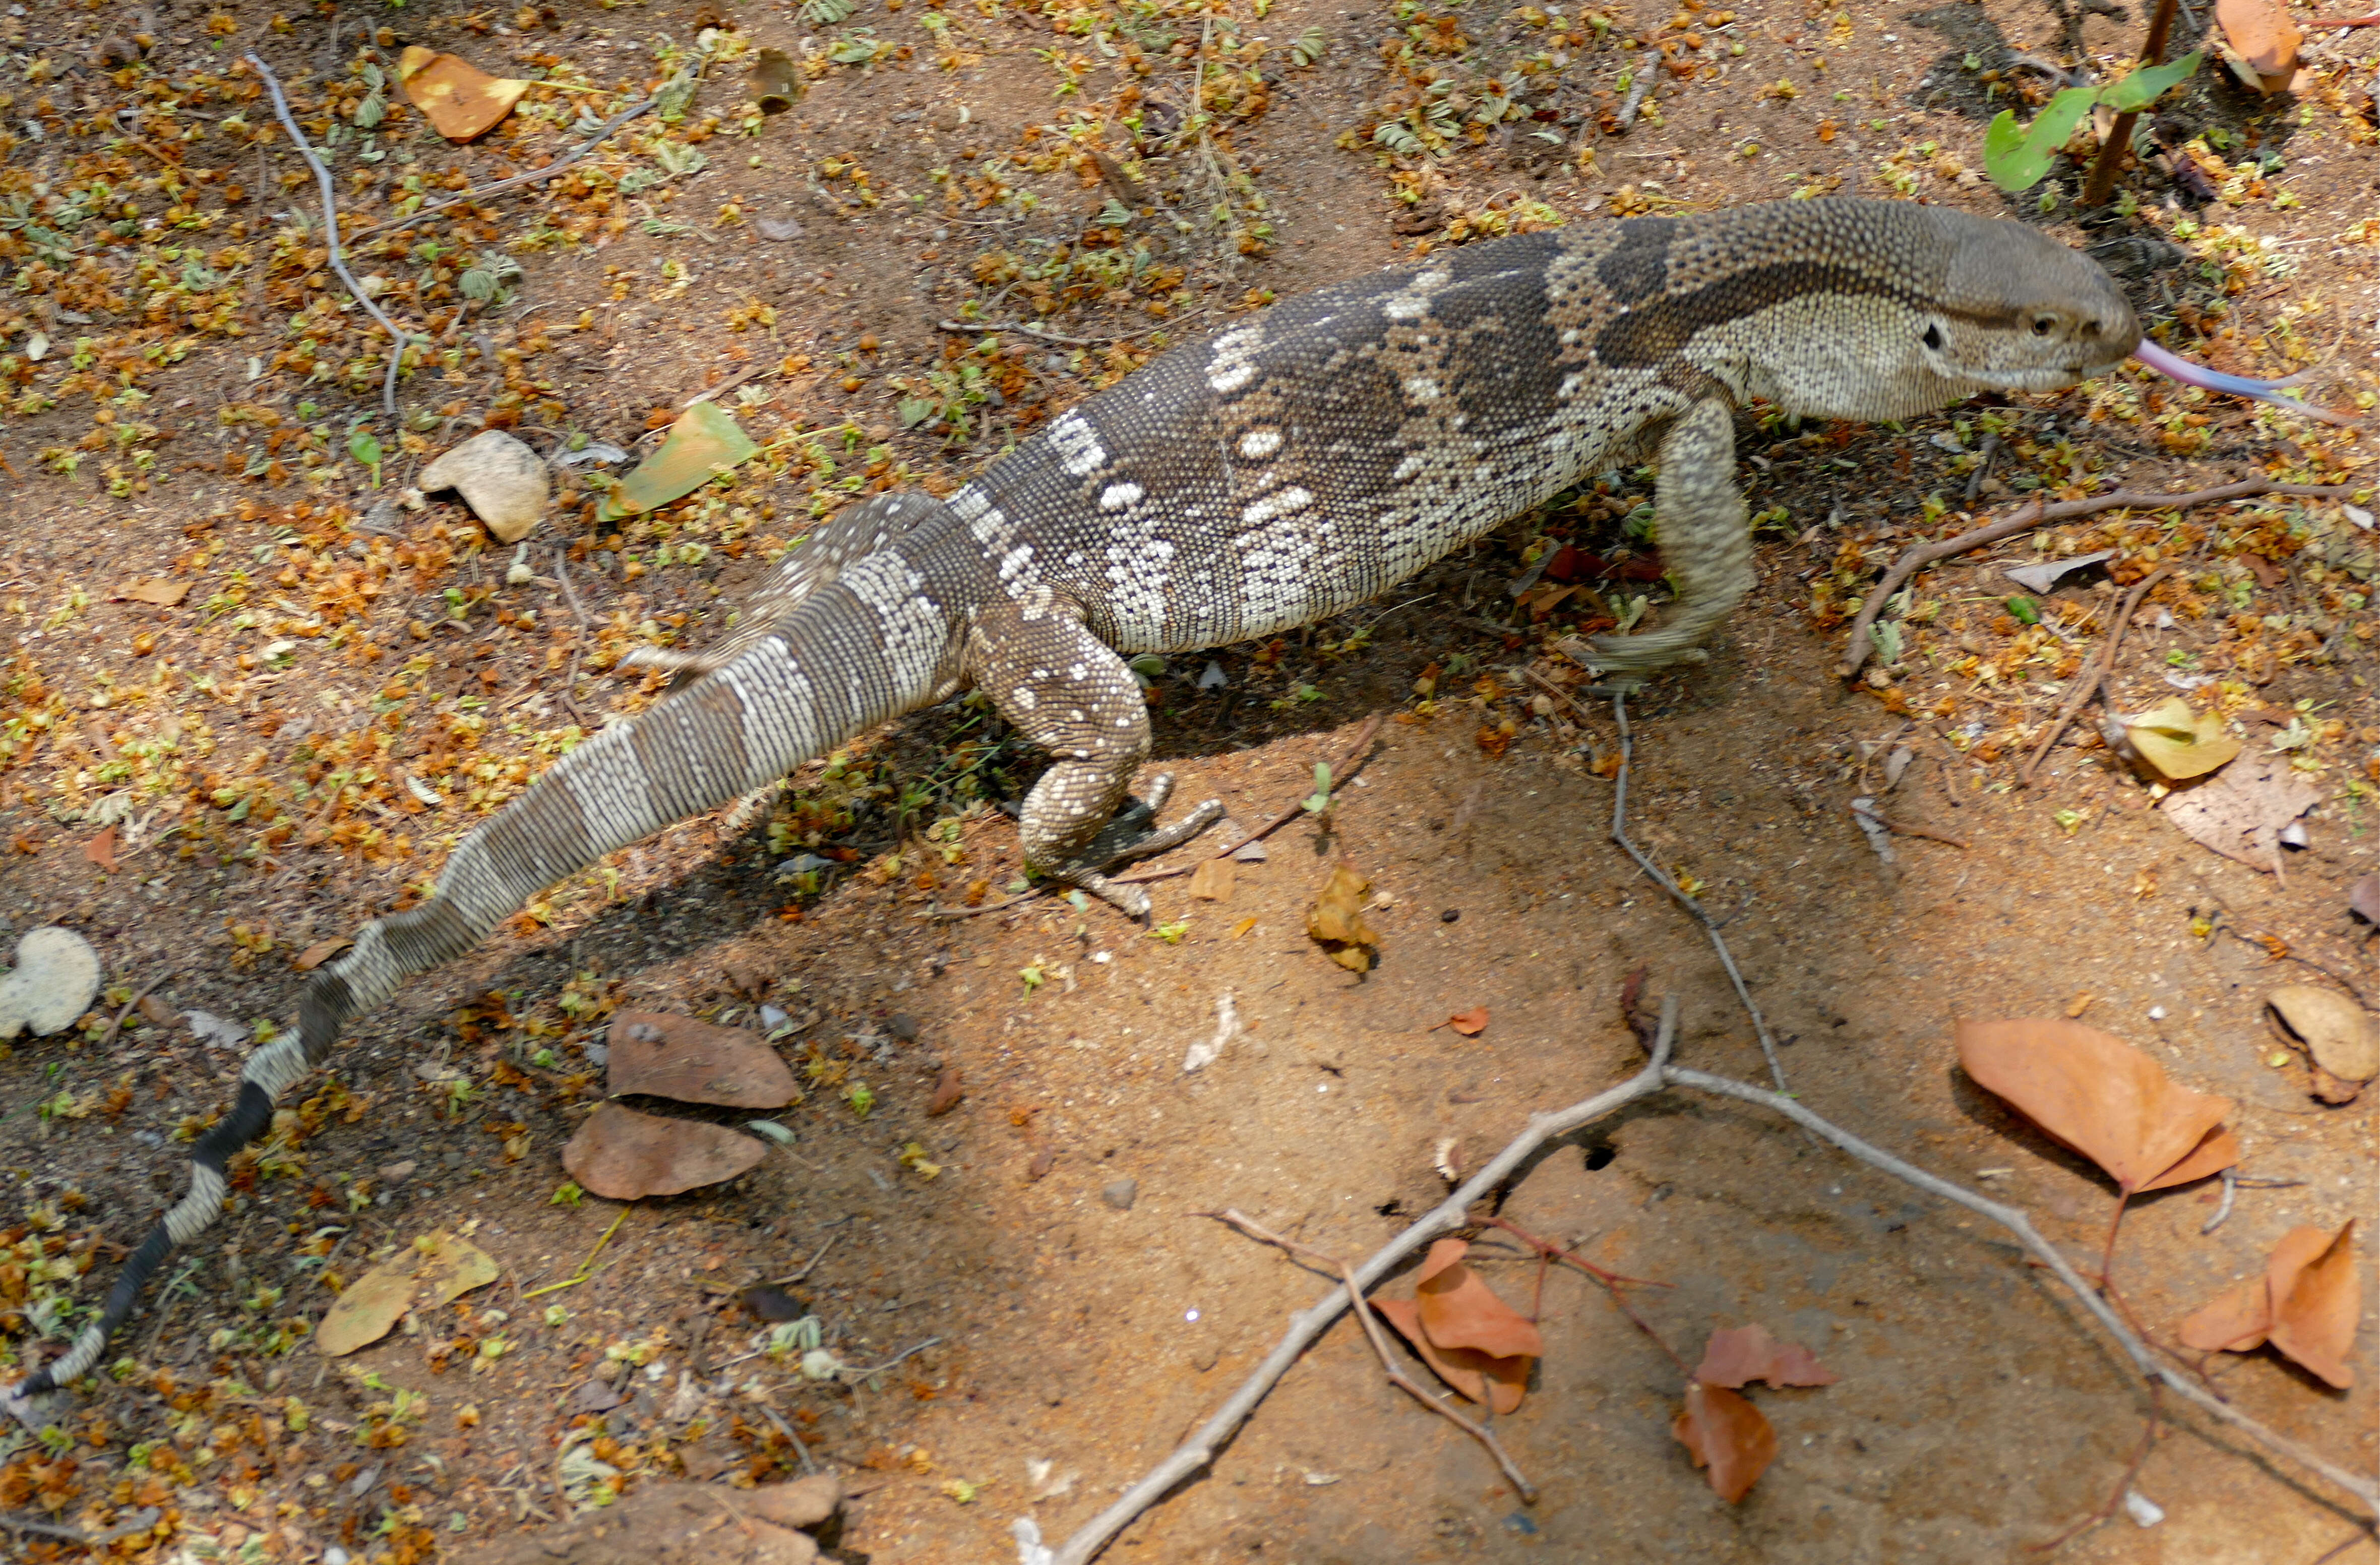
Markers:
point(704, 441)
point(2022, 609)
point(916, 410)
point(364, 446)
point(2141, 89)
point(2017, 165)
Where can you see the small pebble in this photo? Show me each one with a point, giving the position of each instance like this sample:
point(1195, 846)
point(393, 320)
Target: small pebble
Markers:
point(1121, 1194)
point(398, 1173)
point(453, 1160)
point(1450, 915)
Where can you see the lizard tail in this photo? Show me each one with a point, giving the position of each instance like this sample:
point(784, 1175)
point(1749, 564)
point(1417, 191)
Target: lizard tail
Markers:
point(744, 722)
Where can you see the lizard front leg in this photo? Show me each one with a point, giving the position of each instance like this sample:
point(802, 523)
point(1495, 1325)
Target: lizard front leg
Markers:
point(1069, 694)
point(1698, 520)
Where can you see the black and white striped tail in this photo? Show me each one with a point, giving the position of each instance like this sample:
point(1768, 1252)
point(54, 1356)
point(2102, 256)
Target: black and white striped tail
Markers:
point(883, 647)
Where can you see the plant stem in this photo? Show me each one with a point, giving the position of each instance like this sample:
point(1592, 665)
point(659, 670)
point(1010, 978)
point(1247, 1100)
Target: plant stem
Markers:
point(2102, 182)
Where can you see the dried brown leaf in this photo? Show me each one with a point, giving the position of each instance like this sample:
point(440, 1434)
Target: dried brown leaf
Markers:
point(2315, 1306)
point(1471, 1022)
point(691, 1061)
point(314, 955)
point(1474, 1374)
point(950, 1091)
point(462, 100)
point(1335, 921)
point(621, 1155)
point(100, 850)
point(1728, 1434)
point(2092, 1092)
point(2263, 36)
point(438, 1269)
point(1212, 881)
point(161, 590)
point(1741, 1353)
point(1459, 1310)
point(2240, 813)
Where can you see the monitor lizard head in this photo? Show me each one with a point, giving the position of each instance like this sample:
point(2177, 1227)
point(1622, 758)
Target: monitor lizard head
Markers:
point(2012, 310)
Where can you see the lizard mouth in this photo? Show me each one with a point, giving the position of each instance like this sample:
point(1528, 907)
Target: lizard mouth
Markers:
point(2037, 378)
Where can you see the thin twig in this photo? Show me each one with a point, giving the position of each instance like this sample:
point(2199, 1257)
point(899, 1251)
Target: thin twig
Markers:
point(2094, 678)
point(1919, 556)
point(1309, 1324)
point(586, 632)
point(2016, 1220)
point(480, 192)
point(1346, 767)
point(809, 1463)
point(808, 1266)
point(974, 328)
point(1906, 830)
point(396, 339)
point(118, 1026)
point(1397, 1376)
point(44, 1529)
point(2114, 1499)
point(1678, 894)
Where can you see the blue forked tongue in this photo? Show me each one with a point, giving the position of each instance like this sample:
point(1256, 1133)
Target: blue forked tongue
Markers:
point(2190, 374)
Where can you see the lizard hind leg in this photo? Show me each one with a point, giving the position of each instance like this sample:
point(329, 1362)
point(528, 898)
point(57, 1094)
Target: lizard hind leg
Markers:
point(1065, 691)
point(1698, 520)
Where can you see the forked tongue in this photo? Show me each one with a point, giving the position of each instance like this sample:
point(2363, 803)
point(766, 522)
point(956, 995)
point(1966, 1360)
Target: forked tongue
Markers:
point(2198, 375)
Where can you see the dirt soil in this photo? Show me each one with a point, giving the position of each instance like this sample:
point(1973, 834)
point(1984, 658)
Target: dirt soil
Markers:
point(342, 681)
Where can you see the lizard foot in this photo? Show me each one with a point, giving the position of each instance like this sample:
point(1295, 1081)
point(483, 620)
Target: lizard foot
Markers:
point(1130, 836)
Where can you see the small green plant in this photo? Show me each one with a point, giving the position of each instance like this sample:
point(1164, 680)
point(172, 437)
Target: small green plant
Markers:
point(1319, 800)
point(2017, 156)
point(364, 446)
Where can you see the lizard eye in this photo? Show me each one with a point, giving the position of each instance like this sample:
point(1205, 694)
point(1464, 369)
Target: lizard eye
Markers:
point(1934, 338)
point(2044, 325)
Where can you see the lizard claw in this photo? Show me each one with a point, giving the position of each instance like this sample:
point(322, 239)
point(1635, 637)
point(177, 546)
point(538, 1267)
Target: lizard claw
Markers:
point(1128, 837)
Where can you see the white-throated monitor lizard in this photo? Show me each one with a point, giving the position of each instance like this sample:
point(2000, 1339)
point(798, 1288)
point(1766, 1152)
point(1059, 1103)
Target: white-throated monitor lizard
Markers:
point(1274, 474)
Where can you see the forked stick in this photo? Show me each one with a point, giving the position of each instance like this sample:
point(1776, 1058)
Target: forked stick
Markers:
point(1307, 1325)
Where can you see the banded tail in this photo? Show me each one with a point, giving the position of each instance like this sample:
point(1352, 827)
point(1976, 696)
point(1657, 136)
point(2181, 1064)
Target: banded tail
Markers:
point(849, 638)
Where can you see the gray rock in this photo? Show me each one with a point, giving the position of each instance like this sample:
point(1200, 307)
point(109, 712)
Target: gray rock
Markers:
point(55, 978)
point(1121, 1194)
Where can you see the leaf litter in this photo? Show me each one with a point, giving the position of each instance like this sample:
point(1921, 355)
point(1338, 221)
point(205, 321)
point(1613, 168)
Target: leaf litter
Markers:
point(1336, 920)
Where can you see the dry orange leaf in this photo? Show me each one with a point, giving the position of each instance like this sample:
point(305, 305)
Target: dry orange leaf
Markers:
point(100, 850)
point(1212, 881)
point(1471, 1022)
point(1472, 1373)
point(1748, 1352)
point(314, 955)
point(1459, 1310)
point(1337, 923)
point(2313, 1316)
point(2305, 1304)
point(1728, 1434)
point(2266, 40)
point(2092, 1092)
point(155, 589)
point(461, 99)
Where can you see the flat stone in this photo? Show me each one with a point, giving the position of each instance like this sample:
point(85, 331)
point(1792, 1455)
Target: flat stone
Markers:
point(55, 978)
point(1121, 1194)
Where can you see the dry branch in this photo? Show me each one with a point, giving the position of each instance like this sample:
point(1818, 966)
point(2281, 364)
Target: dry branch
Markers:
point(330, 236)
point(2016, 1221)
point(1918, 556)
point(1305, 1327)
point(2103, 669)
point(1371, 1325)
